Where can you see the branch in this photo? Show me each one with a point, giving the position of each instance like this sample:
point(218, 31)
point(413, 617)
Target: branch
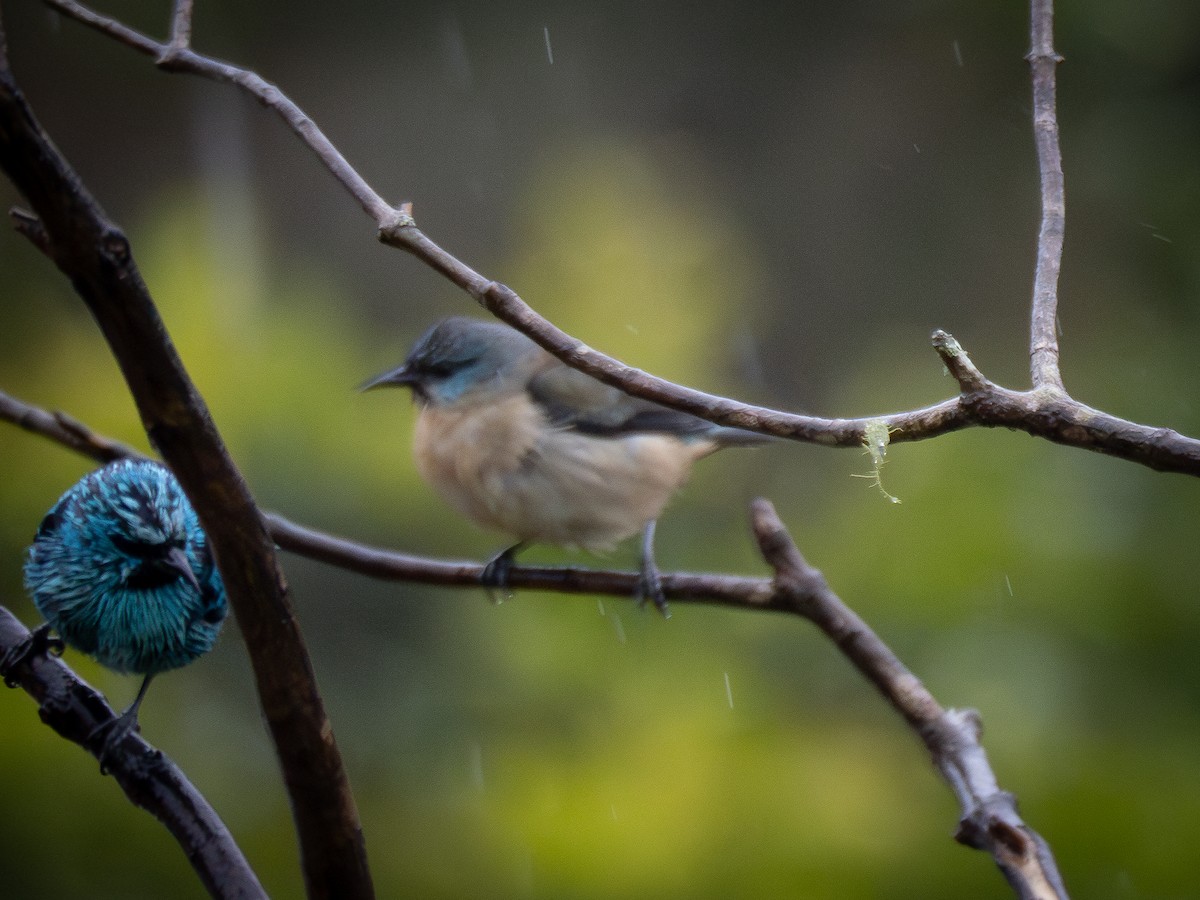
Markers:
point(181, 25)
point(1043, 332)
point(989, 820)
point(1053, 415)
point(388, 565)
point(96, 256)
point(149, 779)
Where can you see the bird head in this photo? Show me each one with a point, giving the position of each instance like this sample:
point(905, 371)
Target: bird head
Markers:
point(138, 516)
point(151, 526)
point(461, 357)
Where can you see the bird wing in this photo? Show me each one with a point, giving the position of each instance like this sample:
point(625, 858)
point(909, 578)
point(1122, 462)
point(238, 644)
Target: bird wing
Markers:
point(214, 606)
point(51, 521)
point(571, 399)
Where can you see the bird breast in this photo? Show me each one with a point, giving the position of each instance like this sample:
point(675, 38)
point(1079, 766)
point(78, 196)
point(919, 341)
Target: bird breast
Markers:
point(504, 467)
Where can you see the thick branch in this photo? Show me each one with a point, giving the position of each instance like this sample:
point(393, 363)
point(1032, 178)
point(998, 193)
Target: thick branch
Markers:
point(989, 819)
point(149, 779)
point(96, 256)
point(1043, 332)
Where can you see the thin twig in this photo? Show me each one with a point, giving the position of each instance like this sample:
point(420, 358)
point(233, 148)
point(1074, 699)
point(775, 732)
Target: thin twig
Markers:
point(989, 819)
point(149, 779)
point(1043, 331)
point(181, 25)
point(1049, 414)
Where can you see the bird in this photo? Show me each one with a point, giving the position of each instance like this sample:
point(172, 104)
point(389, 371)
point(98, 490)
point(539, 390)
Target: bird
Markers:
point(121, 570)
point(520, 443)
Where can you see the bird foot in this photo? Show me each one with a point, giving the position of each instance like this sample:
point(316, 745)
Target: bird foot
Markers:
point(37, 643)
point(494, 577)
point(107, 736)
point(649, 586)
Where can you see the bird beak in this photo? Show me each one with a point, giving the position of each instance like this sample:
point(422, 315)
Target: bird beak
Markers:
point(177, 561)
point(401, 377)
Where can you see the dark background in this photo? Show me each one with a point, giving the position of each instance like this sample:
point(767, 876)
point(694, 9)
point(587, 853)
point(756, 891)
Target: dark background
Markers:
point(775, 201)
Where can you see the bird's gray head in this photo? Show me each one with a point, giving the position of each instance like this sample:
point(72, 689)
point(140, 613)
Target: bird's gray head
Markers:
point(459, 355)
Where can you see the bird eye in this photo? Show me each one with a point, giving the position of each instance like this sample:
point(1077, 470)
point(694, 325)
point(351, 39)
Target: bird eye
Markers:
point(140, 549)
point(442, 368)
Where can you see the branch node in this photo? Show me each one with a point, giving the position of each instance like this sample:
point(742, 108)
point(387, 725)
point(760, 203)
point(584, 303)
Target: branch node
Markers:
point(1044, 55)
point(485, 289)
point(28, 225)
point(967, 721)
point(400, 219)
point(958, 363)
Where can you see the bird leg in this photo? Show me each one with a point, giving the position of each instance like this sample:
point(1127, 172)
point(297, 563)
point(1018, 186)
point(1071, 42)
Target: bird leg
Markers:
point(108, 734)
point(37, 643)
point(650, 578)
point(495, 573)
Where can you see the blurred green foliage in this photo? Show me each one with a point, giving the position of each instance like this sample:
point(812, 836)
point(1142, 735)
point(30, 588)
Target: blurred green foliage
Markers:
point(777, 203)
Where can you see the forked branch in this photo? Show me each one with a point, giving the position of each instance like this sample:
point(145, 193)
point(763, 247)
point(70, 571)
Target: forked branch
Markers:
point(1050, 414)
point(989, 820)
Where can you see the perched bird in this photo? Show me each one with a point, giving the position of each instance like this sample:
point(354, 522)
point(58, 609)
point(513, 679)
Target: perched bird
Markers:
point(523, 444)
point(121, 569)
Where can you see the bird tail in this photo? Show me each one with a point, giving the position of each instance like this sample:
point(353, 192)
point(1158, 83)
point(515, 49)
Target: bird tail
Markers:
point(737, 437)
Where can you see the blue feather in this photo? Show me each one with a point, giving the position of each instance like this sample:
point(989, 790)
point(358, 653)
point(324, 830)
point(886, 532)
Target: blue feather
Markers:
point(121, 569)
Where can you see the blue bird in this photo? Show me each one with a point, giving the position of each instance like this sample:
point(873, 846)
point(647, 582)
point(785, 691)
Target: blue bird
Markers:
point(122, 571)
point(520, 443)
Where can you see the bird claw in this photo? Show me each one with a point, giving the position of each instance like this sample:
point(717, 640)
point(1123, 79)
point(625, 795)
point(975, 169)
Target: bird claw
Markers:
point(107, 736)
point(649, 586)
point(494, 576)
point(37, 643)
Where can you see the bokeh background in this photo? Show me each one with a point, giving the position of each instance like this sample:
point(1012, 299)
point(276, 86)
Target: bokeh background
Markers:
point(778, 201)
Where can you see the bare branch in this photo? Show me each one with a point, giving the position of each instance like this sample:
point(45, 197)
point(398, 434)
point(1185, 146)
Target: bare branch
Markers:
point(172, 58)
point(989, 819)
point(389, 565)
point(1043, 332)
point(64, 429)
point(181, 25)
point(149, 779)
point(1051, 415)
point(122, 34)
point(96, 256)
point(958, 364)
